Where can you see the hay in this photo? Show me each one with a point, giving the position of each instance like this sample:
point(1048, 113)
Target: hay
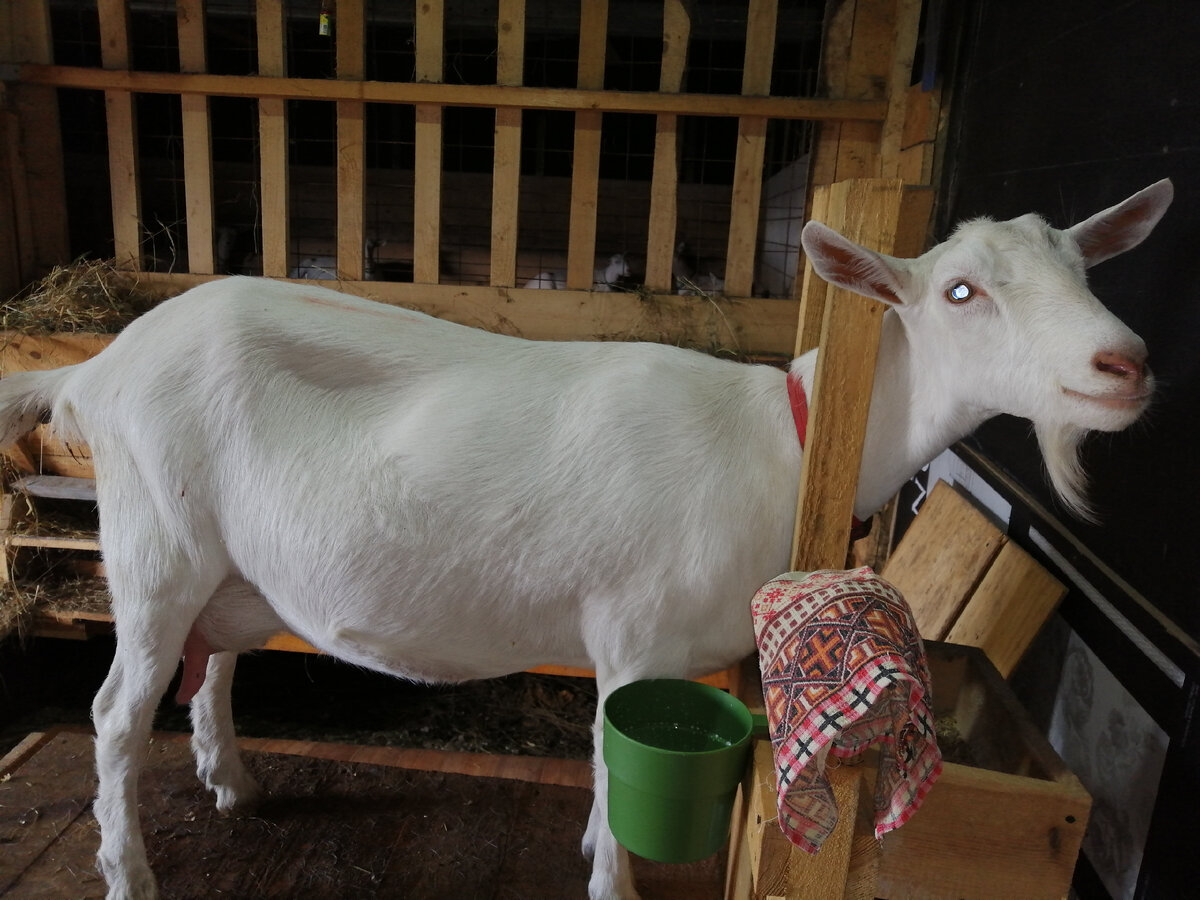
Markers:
point(87, 295)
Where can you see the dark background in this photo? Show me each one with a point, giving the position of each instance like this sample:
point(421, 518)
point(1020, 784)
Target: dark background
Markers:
point(1066, 108)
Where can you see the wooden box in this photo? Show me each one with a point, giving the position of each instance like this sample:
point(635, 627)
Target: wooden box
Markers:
point(1005, 820)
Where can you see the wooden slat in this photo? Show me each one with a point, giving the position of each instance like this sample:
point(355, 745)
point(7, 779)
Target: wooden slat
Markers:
point(351, 143)
point(427, 177)
point(57, 486)
point(506, 175)
point(760, 325)
point(842, 391)
point(35, 152)
point(1009, 608)
point(942, 559)
point(743, 210)
point(903, 49)
point(55, 542)
point(122, 136)
point(197, 140)
point(273, 141)
point(585, 166)
point(813, 288)
point(491, 95)
point(982, 834)
point(751, 150)
point(664, 184)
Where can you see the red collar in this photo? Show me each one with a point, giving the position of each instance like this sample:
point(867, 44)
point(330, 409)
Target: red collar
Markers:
point(799, 403)
point(799, 406)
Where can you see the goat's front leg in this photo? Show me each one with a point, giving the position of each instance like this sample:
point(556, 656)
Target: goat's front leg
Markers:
point(612, 875)
point(214, 742)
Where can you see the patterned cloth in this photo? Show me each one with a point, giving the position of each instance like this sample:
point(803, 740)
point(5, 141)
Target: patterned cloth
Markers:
point(843, 668)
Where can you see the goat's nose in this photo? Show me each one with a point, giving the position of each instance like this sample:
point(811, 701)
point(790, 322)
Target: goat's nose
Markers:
point(1122, 365)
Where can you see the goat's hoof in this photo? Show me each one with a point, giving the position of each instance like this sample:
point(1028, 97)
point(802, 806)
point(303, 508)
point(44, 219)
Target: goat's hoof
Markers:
point(241, 801)
point(141, 886)
point(604, 889)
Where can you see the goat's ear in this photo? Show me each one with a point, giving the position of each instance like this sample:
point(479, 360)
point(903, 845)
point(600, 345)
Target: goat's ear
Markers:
point(842, 262)
point(1124, 226)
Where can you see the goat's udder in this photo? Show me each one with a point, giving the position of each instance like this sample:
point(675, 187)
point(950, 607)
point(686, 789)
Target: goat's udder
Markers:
point(196, 651)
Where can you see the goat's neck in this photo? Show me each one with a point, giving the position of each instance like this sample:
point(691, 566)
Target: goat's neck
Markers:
point(915, 415)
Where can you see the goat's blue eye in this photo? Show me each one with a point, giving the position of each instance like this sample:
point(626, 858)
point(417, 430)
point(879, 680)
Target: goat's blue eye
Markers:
point(960, 293)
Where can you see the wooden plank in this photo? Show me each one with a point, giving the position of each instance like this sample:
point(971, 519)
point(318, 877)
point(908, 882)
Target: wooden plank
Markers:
point(474, 95)
point(506, 174)
point(121, 124)
point(55, 542)
point(57, 487)
point(273, 140)
point(1009, 608)
point(983, 835)
point(751, 150)
point(942, 559)
point(585, 167)
point(351, 143)
point(427, 176)
point(35, 150)
point(743, 213)
point(32, 817)
point(841, 393)
point(903, 48)
point(585, 191)
point(660, 240)
point(813, 288)
point(197, 140)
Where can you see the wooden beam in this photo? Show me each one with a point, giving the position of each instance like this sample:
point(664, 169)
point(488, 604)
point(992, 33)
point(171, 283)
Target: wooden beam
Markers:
point(751, 150)
point(870, 212)
point(664, 183)
point(585, 169)
point(351, 143)
point(506, 173)
point(121, 120)
point(273, 142)
point(39, 198)
point(197, 140)
point(427, 183)
point(474, 95)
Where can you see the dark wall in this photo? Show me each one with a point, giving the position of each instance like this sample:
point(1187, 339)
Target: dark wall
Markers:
point(1064, 108)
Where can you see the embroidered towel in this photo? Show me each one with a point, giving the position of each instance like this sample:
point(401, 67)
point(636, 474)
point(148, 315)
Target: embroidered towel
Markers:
point(843, 668)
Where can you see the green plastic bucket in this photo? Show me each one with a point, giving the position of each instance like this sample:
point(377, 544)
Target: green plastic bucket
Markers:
point(676, 751)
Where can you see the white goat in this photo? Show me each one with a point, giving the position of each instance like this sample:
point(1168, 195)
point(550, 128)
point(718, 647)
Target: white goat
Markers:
point(503, 503)
point(603, 277)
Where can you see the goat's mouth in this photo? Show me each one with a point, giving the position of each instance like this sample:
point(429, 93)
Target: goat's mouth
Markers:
point(1123, 401)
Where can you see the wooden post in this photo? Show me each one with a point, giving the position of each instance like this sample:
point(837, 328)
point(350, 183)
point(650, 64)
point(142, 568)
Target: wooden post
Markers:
point(273, 142)
point(585, 176)
point(34, 228)
point(664, 184)
point(506, 174)
point(427, 177)
point(881, 215)
point(751, 151)
point(197, 140)
point(122, 137)
point(350, 32)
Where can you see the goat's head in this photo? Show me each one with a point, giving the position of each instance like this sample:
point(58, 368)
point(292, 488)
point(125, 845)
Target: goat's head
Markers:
point(617, 268)
point(1001, 315)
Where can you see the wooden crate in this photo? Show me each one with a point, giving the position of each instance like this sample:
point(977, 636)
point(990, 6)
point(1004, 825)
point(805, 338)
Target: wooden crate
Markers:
point(1005, 825)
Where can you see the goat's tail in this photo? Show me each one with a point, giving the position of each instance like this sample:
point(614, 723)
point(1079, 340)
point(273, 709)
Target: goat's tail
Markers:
point(26, 399)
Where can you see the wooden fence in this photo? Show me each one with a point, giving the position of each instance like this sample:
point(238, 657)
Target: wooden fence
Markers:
point(872, 124)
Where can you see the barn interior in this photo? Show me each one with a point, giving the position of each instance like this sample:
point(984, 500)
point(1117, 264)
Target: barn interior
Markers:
point(457, 158)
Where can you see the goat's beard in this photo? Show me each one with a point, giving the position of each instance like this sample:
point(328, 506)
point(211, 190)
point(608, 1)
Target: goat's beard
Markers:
point(1061, 445)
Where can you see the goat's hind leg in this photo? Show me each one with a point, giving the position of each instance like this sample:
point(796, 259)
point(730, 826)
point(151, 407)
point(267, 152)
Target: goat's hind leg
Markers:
point(123, 712)
point(214, 743)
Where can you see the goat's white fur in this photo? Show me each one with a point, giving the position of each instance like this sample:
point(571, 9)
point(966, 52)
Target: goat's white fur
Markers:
point(441, 503)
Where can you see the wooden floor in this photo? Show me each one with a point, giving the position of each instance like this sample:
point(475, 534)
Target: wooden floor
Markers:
point(341, 821)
